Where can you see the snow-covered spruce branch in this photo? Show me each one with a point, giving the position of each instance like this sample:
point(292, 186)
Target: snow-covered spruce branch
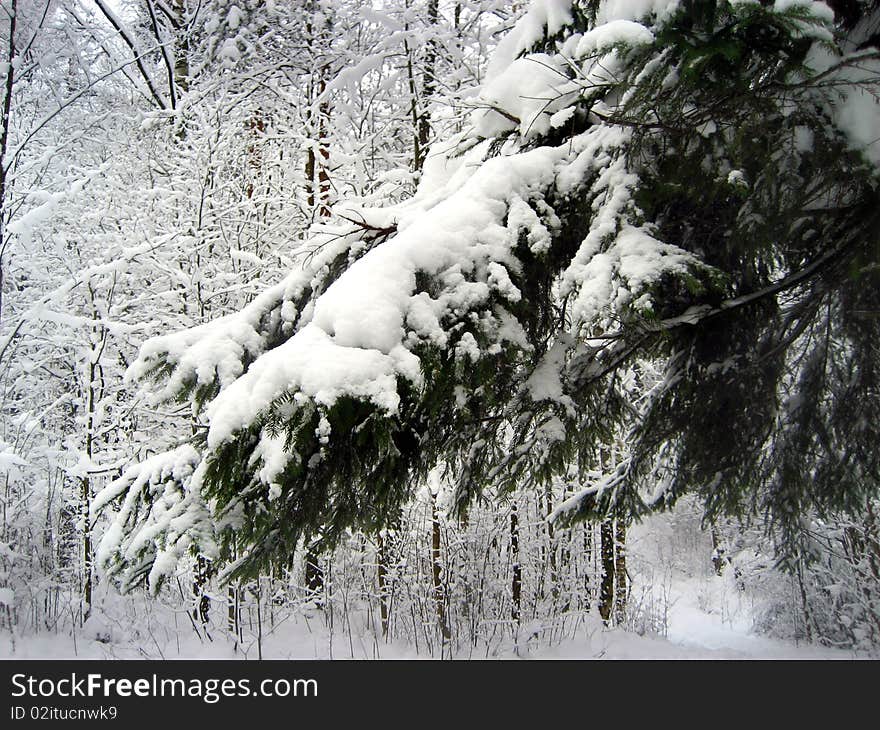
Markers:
point(622, 344)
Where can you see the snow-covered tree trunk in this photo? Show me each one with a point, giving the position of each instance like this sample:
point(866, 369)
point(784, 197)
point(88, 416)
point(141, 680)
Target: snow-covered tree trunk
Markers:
point(182, 45)
point(381, 577)
point(606, 588)
point(317, 157)
point(314, 574)
point(93, 385)
point(620, 574)
point(8, 81)
point(587, 588)
point(515, 565)
point(437, 572)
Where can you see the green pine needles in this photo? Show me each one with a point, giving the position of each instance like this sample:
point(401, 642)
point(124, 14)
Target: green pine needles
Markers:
point(679, 254)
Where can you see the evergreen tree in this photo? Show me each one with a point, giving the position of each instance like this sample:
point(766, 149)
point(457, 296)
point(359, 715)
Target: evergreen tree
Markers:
point(684, 189)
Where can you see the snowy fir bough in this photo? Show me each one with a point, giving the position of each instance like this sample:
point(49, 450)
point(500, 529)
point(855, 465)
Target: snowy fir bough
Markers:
point(659, 229)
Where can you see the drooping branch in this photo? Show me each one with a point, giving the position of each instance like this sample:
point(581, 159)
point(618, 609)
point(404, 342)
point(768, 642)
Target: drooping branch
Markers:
point(621, 344)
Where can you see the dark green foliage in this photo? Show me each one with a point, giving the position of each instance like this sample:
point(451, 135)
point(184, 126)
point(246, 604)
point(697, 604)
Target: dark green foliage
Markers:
point(752, 378)
point(766, 405)
point(771, 401)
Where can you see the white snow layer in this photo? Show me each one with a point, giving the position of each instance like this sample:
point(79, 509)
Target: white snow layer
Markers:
point(525, 96)
point(551, 16)
point(168, 484)
point(354, 343)
point(215, 351)
point(606, 36)
point(543, 16)
point(460, 230)
point(610, 10)
point(858, 111)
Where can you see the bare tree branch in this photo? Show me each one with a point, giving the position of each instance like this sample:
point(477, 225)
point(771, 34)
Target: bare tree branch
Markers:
point(132, 45)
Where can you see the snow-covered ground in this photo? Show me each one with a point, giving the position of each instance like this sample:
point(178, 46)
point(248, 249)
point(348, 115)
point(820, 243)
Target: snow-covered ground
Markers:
point(694, 630)
point(693, 634)
point(678, 608)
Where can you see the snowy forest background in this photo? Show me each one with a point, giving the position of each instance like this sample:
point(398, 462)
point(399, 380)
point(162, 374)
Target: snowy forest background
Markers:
point(168, 163)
